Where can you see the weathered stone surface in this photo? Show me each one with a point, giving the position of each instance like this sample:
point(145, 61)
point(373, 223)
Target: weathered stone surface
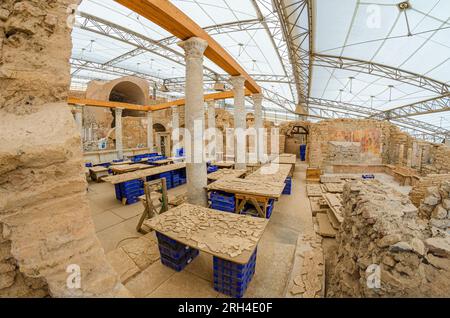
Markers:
point(400, 247)
point(418, 246)
point(47, 231)
point(400, 252)
point(439, 246)
point(439, 212)
point(389, 240)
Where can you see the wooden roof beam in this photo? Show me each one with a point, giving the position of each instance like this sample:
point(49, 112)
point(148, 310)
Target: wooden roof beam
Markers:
point(177, 102)
point(172, 19)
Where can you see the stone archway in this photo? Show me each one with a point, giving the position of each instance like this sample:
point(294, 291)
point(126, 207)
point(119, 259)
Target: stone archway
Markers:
point(48, 245)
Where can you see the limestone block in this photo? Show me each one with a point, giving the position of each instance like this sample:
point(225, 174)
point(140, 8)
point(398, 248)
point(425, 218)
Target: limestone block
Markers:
point(439, 212)
point(439, 246)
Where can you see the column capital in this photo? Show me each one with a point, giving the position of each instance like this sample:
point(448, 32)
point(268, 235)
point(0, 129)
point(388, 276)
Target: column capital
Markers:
point(119, 110)
point(194, 47)
point(211, 102)
point(149, 112)
point(257, 98)
point(237, 81)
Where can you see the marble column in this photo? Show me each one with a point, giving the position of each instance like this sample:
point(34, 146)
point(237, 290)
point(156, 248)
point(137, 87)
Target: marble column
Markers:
point(79, 120)
point(240, 150)
point(212, 127)
point(257, 100)
point(150, 142)
point(195, 120)
point(175, 130)
point(119, 143)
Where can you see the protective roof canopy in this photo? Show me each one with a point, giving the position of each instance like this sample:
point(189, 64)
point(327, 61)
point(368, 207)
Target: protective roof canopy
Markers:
point(415, 40)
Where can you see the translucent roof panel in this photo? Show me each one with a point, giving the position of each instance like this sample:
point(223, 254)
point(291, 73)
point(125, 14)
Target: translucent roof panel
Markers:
point(353, 35)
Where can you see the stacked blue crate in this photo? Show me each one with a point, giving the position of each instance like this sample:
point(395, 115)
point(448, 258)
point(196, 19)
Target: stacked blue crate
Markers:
point(174, 254)
point(179, 152)
point(175, 178)
point(222, 201)
point(232, 279)
point(131, 190)
point(288, 186)
point(302, 152)
point(368, 176)
point(212, 169)
point(182, 174)
point(168, 177)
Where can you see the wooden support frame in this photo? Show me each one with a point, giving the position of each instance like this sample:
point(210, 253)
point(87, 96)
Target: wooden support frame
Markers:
point(175, 21)
point(149, 209)
point(178, 102)
point(259, 202)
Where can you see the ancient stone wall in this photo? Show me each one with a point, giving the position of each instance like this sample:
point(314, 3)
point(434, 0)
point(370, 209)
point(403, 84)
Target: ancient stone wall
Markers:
point(371, 134)
point(385, 249)
point(418, 191)
point(45, 223)
point(343, 152)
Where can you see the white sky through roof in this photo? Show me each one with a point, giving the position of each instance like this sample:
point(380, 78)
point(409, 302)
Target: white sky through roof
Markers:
point(372, 30)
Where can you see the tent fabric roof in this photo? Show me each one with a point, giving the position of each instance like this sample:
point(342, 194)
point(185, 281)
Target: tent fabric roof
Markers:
point(416, 40)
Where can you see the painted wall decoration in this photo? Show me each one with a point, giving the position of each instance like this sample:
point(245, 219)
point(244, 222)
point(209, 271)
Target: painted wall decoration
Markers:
point(370, 138)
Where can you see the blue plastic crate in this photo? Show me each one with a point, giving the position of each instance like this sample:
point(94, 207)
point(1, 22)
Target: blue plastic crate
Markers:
point(226, 280)
point(212, 169)
point(368, 176)
point(223, 208)
point(182, 263)
point(167, 241)
point(224, 197)
point(88, 164)
point(232, 291)
point(220, 263)
point(231, 278)
point(175, 254)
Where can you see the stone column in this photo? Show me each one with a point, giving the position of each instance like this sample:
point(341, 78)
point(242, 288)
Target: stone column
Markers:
point(79, 120)
point(150, 142)
point(119, 143)
point(175, 129)
point(212, 126)
point(257, 100)
point(239, 121)
point(194, 118)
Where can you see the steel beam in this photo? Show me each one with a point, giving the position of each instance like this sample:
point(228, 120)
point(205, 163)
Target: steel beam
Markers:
point(428, 106)
point(297, 40)
point(140, 42)
point(376, 69)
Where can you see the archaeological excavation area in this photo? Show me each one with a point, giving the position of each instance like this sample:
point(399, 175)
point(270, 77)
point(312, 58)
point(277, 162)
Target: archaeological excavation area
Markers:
point(251, 149)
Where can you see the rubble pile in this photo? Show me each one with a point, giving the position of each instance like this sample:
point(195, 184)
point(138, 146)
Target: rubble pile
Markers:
point(385, 249)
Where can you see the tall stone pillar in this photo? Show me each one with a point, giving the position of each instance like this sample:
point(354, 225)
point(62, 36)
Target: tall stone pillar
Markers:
point(79, 120)
point(239, 121)
point(150, 130)
point(257, 100)
point(194, 119)
point(175, 129)
point(119, 142)
point(212, 127)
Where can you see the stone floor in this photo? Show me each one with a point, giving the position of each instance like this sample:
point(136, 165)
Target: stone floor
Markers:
point(135, 257)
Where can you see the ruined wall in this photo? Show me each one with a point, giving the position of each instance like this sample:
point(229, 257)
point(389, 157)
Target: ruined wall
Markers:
point(371, 134)
point(45, 222)
point(382, 235)
point(425, 157)
point(418, 191)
